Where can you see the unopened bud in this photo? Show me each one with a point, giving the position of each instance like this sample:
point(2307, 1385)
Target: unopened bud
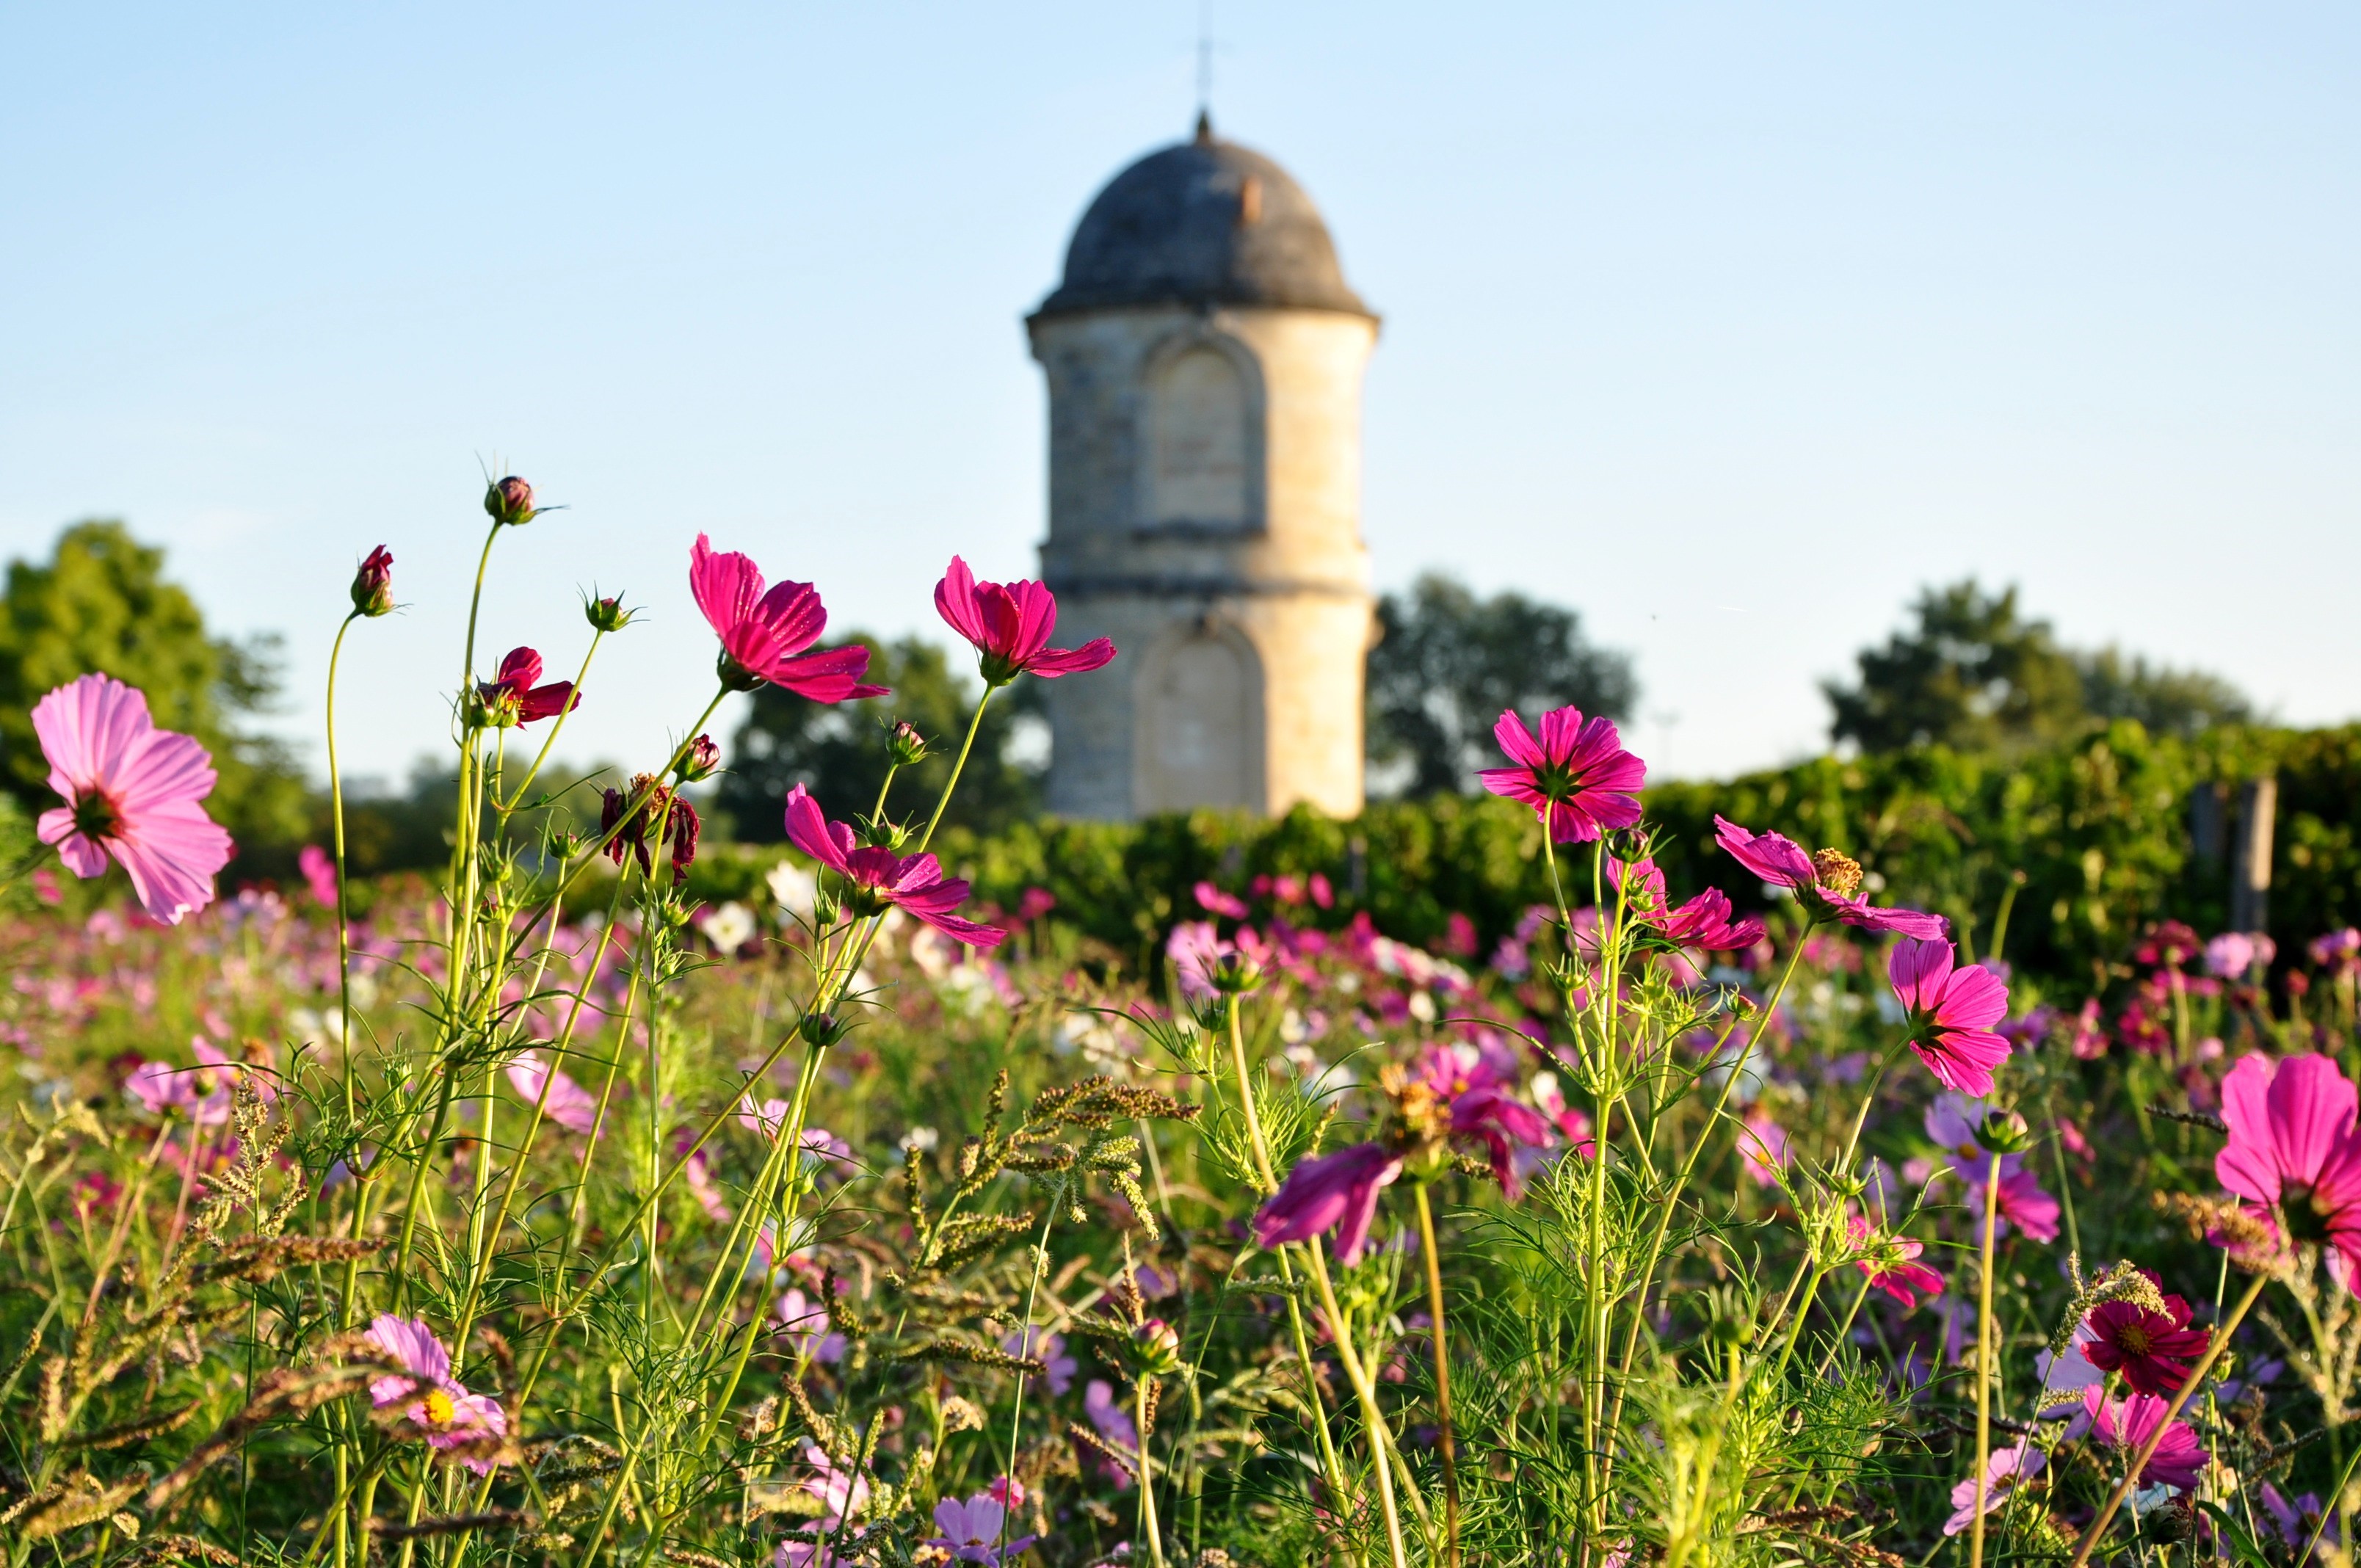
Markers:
point(606, 614)
point(2007, 1131)
point(825, 907)
point(1233, 974)
point(822, 1029)
point(1156, 1345)
point(906, 745)
point(560, 843)
point(510, 502)
point(373, 584)
point(703, 760)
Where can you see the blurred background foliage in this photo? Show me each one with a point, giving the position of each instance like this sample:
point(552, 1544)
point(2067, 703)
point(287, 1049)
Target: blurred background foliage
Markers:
point(1969, 748)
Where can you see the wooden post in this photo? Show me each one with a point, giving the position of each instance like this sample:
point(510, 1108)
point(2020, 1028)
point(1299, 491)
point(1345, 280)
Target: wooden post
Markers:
point(2250, 855)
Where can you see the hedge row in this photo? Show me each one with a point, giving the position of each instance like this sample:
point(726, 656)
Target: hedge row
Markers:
point(2100, 830)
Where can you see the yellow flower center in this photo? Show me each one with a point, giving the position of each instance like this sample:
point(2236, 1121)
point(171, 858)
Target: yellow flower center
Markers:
point(439, 1409)
point(2134, 1339)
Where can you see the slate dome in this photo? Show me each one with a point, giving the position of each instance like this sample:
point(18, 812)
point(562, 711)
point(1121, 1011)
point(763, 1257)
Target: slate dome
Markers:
point(1203, 222)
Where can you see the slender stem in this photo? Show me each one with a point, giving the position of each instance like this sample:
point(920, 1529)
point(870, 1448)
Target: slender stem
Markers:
point(344, 934)
point(1442, 1378)
point(549, 741)
point(2148, 1450)
point(1146, 1477)
point(958, 767)
point(1372, 1413)
point(475, 605)
point(1028, 1344)
point(1983, 1365)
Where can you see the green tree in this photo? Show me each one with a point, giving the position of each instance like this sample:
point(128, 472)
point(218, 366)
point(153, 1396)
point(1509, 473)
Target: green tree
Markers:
point(1448, 664)
point(102, 604)
point(1976, 676)
point(839, 750)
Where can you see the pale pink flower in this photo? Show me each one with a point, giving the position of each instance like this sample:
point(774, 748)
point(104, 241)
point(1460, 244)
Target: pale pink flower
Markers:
point(133, 791)
point(972, 1530)
point(1114, 1423)
point(449, 1415)
point(764, 635)
point(876, 877)
point(569, 1104)
point(1010, 625)
point(805, 1320)
point(1058, 1368)
point(319, 869)
point(1952, 1011)
point(2004, 1470)
point(1577, 777)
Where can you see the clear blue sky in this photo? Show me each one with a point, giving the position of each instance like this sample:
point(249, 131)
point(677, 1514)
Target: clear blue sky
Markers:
point(1728, 325)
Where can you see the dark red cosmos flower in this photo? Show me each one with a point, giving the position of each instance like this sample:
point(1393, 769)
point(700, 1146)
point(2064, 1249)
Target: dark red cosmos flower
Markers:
point(2152, 1350)
point(661, 816)
point(511, 699)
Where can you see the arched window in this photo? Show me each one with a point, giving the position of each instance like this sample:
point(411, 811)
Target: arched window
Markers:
point(1200, 744)
point(1199, 452)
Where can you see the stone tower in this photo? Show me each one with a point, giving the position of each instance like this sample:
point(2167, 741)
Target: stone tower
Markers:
point(1204, 360)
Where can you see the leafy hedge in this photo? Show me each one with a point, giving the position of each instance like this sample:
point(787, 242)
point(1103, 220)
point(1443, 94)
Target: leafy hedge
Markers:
point(2100, 830)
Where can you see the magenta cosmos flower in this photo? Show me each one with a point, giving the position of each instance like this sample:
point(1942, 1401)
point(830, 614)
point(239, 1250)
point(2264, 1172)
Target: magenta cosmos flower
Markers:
point(763, 634)
point(1952, 1011)
point(514, 697)
point(1577, 777)
point(1826, 884)
point(1893, 1263)
point(1703, 922)
point(1010, 625)
point(437, 1404)
point(1330, 1192)
point(133, 791)
point(876, 877)
point(2293, 1154)
point(2153, 1350)
point(2125, 1423)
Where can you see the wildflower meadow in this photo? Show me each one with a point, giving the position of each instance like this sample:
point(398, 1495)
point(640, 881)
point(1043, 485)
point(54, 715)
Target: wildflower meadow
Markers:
point(543, 1210)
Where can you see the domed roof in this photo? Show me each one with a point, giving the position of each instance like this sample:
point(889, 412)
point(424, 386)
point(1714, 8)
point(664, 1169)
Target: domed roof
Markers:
point(1203, 222)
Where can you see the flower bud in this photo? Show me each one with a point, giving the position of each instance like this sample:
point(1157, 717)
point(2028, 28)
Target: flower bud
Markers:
point(906, 745)
point(510, 502)
point(560, 843)
point(822, 1029)
point(703, 760)
point(606, 614)
point(1233, 972)
point(1157, 1345)
point(373, 584)
point(2007, 1131)
point(825, 907)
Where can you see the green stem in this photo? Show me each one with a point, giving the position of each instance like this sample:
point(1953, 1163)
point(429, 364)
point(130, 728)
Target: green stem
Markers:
point(1442, 1379)
point(958, 767)
point(1983, 1365)
point(1146, 1477)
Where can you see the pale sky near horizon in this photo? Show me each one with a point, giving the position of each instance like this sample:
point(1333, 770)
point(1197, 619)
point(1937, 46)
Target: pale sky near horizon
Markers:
point(1731, 326)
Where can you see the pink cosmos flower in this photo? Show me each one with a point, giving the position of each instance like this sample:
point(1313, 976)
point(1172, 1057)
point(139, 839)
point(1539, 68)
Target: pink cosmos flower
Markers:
point(512, 697)
point(2004, 1470)
point(877, 877)
point(764, 635)
point(133, 792)
point(1762, 1145)
point(841, 1493)
point(1010, 625)
point(2124, 1424)
point(1892, 1265)
point(972, 1530)
point(2293, 1154)
point(1214, 901)
point(2232, 953)
point(319, 869)
point(1330, 1192)
point(1704, 922)
point(1952, 1011)
point(1577, 777)
point(569, 1104)
point(1824, 884)
point(1058, 1368)
point(1114, 1423)
point(804, 1320)
point(450, 1416)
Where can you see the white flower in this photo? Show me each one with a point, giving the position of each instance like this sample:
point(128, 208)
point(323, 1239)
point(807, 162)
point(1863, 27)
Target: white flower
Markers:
point(728, 926)
point(967, 990)
point(305, 1024)
point(933, 952)
point(921, 1139)
point(793, 889)
point(1422, 1007)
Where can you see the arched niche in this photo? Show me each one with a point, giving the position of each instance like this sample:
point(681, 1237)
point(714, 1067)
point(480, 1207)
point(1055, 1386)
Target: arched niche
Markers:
point(1198, 738)
point(1203, 445)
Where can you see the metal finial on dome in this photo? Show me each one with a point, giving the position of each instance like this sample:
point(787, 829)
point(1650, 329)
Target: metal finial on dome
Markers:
point(1204, 127)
